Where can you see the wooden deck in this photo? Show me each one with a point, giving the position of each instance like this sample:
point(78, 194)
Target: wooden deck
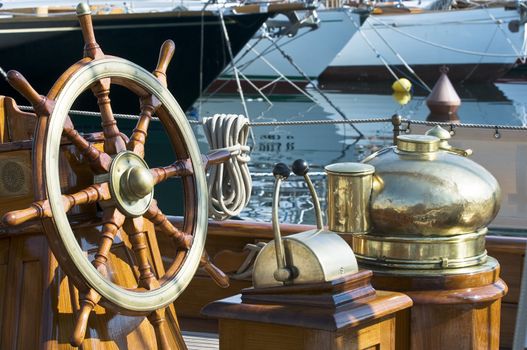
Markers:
point(201, 341)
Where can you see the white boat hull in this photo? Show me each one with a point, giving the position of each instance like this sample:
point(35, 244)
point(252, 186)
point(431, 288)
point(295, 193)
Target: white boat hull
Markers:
point(476, 44)
point(310, 50)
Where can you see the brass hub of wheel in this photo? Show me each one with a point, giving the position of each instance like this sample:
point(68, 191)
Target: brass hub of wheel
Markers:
point(131, 184)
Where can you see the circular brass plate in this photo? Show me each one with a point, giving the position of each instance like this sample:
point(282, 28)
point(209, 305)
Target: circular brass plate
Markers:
point(421, 252)
point(350, 169)
point(128, 206)
point(417, 143)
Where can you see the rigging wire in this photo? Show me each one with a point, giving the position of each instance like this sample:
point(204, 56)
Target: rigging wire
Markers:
point(235, 70)
point(323, 95)
point(403, 61)
point(316, 121)
point(499, 22)
point(377, 53)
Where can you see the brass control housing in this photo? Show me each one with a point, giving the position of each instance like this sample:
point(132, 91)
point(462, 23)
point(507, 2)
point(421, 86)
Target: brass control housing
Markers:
point(313, 256)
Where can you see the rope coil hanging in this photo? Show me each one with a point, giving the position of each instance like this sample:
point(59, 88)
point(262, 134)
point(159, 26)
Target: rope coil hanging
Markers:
point(230, 183)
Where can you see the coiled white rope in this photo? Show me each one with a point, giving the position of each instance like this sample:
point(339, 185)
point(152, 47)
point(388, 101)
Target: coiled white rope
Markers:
point(229, 183)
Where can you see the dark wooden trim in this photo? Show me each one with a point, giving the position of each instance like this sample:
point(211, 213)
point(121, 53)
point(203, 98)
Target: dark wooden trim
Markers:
point(512, 245)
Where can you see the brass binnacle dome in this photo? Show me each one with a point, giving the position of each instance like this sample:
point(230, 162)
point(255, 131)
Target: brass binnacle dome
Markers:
point(433, 193)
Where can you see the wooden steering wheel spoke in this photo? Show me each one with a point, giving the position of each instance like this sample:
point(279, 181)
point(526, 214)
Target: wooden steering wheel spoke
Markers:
point(149, 104)
point(162, 224)
point(99, 161)
point(87, 302)
point(139, 134)
point(113, 141)
point(112, 220)
point(158, 321)
point(165, 56)
point(216, 157)
point(42, 209)
point(44, 107)
point(182, 167)
point(91, 48)
point(219, 277)
point(41, 104)
point(137, 234)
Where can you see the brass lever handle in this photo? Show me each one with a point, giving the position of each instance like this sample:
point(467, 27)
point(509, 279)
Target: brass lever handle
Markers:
point(300, 168)
point(462, 152)
point(283, 273)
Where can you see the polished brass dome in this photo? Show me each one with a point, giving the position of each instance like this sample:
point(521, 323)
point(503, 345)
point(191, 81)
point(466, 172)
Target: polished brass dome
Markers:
point(431, 192)
point(425, 205)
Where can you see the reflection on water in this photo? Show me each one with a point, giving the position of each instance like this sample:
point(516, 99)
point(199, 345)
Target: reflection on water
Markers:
point(320, 145)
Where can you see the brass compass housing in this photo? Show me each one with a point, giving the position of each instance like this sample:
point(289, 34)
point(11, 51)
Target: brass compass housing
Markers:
point(421, 205)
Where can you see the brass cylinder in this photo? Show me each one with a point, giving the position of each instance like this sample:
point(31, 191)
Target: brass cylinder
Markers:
point(348, 197)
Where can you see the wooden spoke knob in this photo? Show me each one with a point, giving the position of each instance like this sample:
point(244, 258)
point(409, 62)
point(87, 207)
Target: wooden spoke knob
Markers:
point(165, 56)
point(17, 217)
point(218, 276)
point(216, 157)
point(91, 48)
point(20, 84)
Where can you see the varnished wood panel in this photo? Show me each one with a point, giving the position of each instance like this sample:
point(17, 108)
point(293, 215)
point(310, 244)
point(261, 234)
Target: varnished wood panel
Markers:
point(21, 314)
point(510, 253)
point(238, 335)
point(402, 329)
point(30, 301)
point(20, 125)
point(2, 120)
point(201, 291)
point(4, 255)
point(511, 269)
point(455, 327)
point(508, 322)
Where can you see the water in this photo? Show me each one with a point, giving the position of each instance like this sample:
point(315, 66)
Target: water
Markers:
point(320, 145)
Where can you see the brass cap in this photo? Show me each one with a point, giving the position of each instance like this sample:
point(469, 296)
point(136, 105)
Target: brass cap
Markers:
point(83, 9)
point(439, 132)
point(137, 182)
point(417, 143)
point(350, 169)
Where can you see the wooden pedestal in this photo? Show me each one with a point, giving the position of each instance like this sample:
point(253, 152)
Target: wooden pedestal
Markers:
point(342, 314)
point(458, 310)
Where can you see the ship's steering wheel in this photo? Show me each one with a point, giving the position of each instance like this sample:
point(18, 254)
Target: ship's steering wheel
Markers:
point(123, 183)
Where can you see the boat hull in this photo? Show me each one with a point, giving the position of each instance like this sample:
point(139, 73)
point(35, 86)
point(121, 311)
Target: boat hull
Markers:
point(476, 44)
point(311, 51)
point(43, 48)
point(429, 73)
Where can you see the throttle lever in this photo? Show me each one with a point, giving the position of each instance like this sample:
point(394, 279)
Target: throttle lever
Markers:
point(300, 168)
point(283, 273)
